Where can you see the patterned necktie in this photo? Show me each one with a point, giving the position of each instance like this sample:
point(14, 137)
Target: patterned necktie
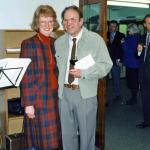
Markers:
point(148, 40)
point(147, 44)
point(70, 77)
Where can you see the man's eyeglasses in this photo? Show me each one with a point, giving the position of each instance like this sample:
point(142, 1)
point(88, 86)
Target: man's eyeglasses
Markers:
point(72, 20)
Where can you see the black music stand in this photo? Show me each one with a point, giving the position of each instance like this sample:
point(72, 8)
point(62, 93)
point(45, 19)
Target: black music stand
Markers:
point(12, 71)
point(2, 72)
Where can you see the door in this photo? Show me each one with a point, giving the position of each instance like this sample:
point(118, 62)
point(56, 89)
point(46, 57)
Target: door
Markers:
point(95, 19)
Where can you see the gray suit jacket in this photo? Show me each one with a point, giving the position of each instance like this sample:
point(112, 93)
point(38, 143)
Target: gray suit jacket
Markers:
point(89, 43)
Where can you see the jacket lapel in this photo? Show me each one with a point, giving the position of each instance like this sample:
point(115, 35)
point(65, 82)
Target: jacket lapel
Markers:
point(80, 46)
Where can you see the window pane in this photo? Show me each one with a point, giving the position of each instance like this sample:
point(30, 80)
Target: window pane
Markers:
point(123, 28)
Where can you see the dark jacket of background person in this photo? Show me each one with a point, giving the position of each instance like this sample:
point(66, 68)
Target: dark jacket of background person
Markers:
point(115, 48)
point(144, 72)
point(129, 48)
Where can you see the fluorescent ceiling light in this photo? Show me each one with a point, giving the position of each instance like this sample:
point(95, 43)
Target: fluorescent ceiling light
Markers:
point(127, 4)
point(134, 1)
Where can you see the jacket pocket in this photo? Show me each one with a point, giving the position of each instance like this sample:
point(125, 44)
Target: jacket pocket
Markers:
point(59, 60)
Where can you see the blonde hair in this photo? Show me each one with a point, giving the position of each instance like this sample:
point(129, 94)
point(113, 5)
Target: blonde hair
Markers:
point(43, 10)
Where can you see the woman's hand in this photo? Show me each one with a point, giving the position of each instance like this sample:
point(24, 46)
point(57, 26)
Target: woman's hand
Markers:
point(30, 111)
point(139, 49)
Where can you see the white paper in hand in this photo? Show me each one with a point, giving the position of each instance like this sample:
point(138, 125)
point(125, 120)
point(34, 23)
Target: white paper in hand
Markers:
point(85, 62)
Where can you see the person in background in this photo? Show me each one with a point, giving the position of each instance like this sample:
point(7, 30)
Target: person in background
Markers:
point(116, 53)
point(39, 87)
point(144, 73)
point(131, 61)
point(78, 86)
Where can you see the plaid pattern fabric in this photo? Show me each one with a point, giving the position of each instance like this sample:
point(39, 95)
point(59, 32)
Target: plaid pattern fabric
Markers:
point(39, 88)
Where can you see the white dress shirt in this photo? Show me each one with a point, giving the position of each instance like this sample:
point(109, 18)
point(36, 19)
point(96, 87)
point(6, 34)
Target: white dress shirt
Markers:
point(69, 57)
point(147, 43)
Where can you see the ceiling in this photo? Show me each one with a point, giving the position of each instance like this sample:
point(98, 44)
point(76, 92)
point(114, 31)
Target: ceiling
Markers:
point(136, 1)
point(96, 1)
point(129, 3)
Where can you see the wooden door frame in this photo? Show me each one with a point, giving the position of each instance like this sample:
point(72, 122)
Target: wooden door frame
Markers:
point(102, 83)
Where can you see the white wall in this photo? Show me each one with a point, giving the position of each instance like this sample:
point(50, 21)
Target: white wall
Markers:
point(17, 14)
point(1, 42)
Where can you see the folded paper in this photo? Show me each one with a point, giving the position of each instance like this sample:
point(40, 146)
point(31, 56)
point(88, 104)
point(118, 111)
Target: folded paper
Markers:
point(85, 63)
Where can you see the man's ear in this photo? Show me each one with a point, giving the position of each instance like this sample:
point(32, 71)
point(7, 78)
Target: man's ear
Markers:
point(81, 21)
point(117, 27)
point(145, 25)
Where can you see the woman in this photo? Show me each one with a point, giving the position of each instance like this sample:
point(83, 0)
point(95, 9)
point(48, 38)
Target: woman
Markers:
point(131, 61)
point(39, 85)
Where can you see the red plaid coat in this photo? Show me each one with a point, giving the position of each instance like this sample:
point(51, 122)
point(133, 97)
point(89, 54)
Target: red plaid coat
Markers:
point(39, 88)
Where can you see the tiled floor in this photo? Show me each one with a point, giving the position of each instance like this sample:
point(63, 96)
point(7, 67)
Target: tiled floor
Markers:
point(121, 133)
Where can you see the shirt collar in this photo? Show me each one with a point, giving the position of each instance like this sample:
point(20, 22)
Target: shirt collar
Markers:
point(148, 33)
point(112, 33)
point(77, 37)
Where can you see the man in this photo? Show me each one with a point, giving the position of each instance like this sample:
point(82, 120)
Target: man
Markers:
point(78, 100)
point(116, 54)
point(144, 73)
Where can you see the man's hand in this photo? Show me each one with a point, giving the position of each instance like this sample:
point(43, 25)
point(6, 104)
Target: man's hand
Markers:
point(75, 72)
point(30, 111)
point(118, 63)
